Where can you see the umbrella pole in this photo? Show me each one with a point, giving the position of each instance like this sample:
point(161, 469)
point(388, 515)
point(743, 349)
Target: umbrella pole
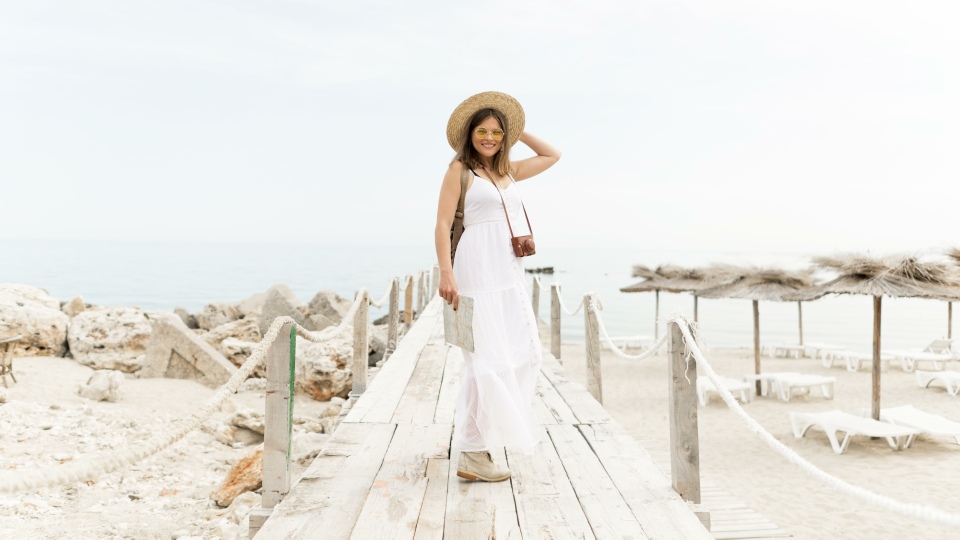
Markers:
point(695, 317)
point(949, 319)
point(875, 405)
point(756, 341)
point(656, 318)
point(800, 319)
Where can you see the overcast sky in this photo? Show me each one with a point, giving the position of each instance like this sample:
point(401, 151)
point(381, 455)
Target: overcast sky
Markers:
point(795, 127)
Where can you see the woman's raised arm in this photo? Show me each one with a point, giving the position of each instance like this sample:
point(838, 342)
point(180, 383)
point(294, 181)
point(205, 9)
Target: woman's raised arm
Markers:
point(546, 156)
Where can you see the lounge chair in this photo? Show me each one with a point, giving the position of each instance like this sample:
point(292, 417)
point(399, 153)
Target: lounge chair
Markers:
point(950, 379)
point(855, 360)
point(832, 422)
point(926, 422)
point(941, 346)
point(817, 349)
point(787, 349)
point(910, 360)
point(786, 382)
point(705, 387)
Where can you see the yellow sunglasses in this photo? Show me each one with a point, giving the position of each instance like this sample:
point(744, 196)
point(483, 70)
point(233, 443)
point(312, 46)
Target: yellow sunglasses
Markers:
point(481, 133)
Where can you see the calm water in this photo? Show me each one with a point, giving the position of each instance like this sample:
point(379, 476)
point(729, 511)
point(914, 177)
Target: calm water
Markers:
point(161, 276)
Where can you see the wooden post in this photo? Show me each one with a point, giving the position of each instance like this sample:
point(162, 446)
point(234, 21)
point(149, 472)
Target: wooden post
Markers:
point(393, 318)
point(656, 317)
point(949, 320)
point(684, 438)
point(800, 319)
point(434, 280)
point(555, 320)
point(280, 361)
point(408, 302)
point(592, 339)
point(361, 345)
point(756, 341)
point(875, 402)
point(695, 314)
point(536, 298)
point(421, 292)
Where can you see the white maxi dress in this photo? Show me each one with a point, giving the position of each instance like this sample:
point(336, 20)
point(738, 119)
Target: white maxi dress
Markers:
point(494, 408)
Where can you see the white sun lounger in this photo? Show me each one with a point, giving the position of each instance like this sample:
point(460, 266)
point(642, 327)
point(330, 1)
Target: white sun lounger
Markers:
point(832, 422)
point(816, 349)
point(786, 349)
point(950, 379)
point(932, 424)
point(855, 360)
point(786, 382)
point(910, 360)
point(705, 387)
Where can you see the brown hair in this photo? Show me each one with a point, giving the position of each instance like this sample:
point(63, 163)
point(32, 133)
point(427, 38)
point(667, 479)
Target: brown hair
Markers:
point(469, 156)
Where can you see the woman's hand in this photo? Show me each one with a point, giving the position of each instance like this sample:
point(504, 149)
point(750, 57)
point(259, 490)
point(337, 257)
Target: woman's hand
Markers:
point(448, 289)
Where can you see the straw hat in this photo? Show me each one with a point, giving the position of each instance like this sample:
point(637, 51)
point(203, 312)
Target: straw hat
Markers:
point(460, 119)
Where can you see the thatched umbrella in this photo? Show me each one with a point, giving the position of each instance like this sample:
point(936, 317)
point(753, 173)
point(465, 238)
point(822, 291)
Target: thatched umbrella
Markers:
point(902, 276)
point(763, 284)
point(675, 279)
point(955, 255)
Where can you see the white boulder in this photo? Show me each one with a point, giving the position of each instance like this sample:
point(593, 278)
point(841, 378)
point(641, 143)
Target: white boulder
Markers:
point(103, 386)
point(36, 316)
point(111, 338)
point(323, 369)
point(215, 314)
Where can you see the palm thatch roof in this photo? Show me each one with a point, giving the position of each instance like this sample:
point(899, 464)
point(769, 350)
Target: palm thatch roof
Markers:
point(903, 276)
point(763, 284)
point(673, 278)
point(954, 253)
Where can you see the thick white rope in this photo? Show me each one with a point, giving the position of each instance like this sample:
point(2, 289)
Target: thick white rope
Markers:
point(915, 510)
point(379, 304)
point(613, 347)
point(564, 307)
point(92, 467)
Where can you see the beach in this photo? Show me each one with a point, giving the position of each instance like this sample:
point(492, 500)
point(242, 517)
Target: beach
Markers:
point(739, 462)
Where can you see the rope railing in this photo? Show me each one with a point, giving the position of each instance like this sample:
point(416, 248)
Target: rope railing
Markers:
point(915, 510)
point(691, 350)
point(105, 463)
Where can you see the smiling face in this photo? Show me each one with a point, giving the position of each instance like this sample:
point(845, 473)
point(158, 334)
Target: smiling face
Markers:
point(487, 146)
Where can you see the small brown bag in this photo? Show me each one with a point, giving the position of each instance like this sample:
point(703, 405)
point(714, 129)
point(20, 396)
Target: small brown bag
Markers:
point(456, 231)
point(523, 246)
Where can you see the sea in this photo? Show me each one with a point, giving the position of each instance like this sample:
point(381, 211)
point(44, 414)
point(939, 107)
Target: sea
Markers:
point(165, 275)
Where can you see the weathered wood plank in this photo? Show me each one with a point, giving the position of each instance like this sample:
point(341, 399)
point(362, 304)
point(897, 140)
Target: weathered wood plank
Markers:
point(328, 498)
point(684, 435)
point(540, 410)
point(479, 509)
point(558, 408)
point(547, 506)
point(419, 401)
point(449, 387)
point(380, 400)
point(583, 405)
point(433, 510)
point(394, 501)
point(657, 507)
point(608, 513)
point(592, 343)
point(276, 439)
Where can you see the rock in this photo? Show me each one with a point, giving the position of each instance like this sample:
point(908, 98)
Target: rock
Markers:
point(245, 418)
point(237, 352)
point(378, 343)
point(253, 384)
point(110, 338)
point(103, 386)
point(278, 305)
point(322, 368)
point(254, 304)
point(242, 505)
point(330, 305)
point(35, 315)
point(319, 321)
point(245, 476)
point(224, 434)
point(174, 351)
point(186, 317)
point(73, 307)
point(215, 314)
point(242, 329)
point(307, 446)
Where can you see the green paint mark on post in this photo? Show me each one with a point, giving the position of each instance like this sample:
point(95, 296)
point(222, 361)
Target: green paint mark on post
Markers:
point(293, 378)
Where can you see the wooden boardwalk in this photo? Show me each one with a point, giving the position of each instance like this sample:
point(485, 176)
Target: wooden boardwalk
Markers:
point(389, 470)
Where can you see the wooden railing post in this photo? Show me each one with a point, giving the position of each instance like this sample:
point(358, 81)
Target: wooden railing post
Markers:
point(592, 339)
point(393, 318)
point(408, 302)
point(361, 345)
point(536, 297)
point(278, 423)
point(435, 280)
point(421, 290)
point(555, 320)
point(684, 438)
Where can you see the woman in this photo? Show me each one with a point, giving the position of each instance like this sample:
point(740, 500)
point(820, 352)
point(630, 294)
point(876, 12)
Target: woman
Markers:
point(494, 408)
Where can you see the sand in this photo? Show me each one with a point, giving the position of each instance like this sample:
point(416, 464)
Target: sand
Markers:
point(739, 462)
point(45, 423)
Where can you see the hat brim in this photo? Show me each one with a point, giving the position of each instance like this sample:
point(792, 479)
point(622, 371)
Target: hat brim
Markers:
point(460, 119)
